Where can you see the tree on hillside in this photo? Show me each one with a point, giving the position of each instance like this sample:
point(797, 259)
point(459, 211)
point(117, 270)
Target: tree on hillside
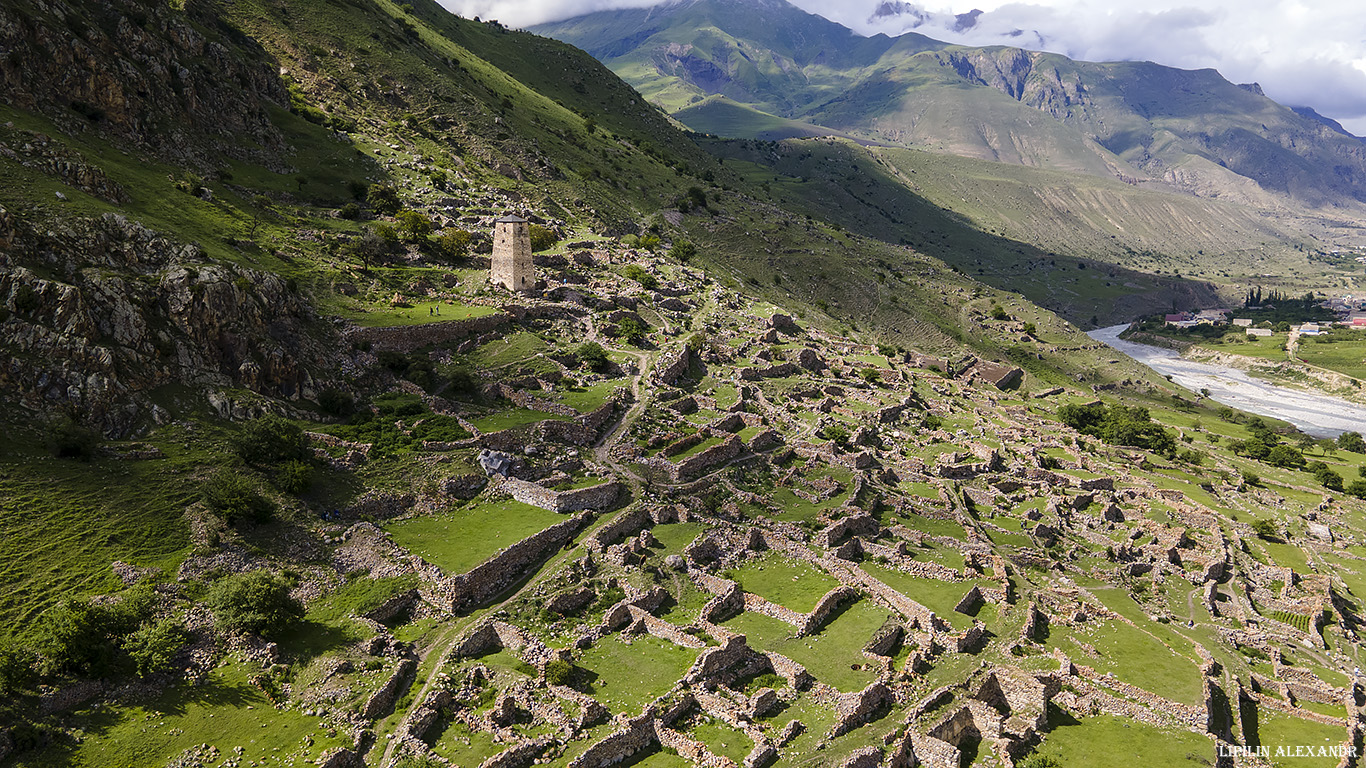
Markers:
point(369, 248)
point(414, 226)
point(1352, 442)
point(384, 199)
point(592, 355)
point(542, 238)
point(454, 244)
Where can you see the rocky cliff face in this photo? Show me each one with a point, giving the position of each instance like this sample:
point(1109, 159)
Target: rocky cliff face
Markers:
point(99, 313)
point(164, 79)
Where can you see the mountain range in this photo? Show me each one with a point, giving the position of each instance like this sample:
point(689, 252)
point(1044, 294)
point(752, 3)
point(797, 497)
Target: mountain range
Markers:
point(766, 69)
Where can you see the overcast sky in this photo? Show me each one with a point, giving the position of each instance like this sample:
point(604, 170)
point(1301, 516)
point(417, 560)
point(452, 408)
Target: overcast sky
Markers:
point(1303, 54)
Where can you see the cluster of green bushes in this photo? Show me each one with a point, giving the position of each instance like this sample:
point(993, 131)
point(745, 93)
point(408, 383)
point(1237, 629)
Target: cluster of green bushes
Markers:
point(94, 637)
point(380, 426)
point(1119, 425)
point(418, 368)
point(1265, 445)
point(273, 445)
point(119, 635)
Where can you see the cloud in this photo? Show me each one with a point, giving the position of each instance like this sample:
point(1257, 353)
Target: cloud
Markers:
point(1302, 54)
point(526, 13)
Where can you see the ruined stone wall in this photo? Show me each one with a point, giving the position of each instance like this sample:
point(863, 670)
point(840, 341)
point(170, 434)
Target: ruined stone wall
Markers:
point(693, 466)
point(691, 749)
point(852, 710)
point(638, 735)
point(381, 702)
point(795, 674)
point(672, 365)
point(464, 591)
point(853, 525)
point(406, 338)
point(625, 524)
point(716, 660)
point(597, 497)
point(828, 604)
point(772, 610)
point(919, 615)
point(520, 755)
point(663, 629)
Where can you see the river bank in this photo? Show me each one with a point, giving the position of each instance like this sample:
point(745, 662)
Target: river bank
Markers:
point(1313, 413)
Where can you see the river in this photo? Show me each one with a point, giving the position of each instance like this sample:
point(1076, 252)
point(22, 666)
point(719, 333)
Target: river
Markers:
point(1314, 414)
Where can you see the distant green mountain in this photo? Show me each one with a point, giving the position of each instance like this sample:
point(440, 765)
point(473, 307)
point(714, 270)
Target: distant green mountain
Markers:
point(1142, 123)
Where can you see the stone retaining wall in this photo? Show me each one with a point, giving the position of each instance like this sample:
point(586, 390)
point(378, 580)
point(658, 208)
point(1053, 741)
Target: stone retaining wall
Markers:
point(625, 524)
point(691, 749)
point(693, 466)
point(381, 702)
point(636, 736)
point(597, 497)
point(406, 338)
point(852, 710)
point(919, 616)
point(465, 591)
point(827, 605)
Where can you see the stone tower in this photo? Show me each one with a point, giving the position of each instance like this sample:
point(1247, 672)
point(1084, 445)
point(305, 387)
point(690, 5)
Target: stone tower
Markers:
point(511, 265)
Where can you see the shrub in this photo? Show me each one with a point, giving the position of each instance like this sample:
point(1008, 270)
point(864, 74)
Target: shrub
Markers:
point(1285, 456)
point(1328, 478)
point(684, 250)
point(80, 636)
point(384, 199)
point(1357, 488)
point(591, 355)
point(454, 244)
point(836, 433)
point(637, 273)
point(558, 672)
point(632, 329)
point(154, 645)
point(1118, 425)
point(256, 602)
point(270, 439)
point(542, 237)
point(335, 402)
point(294, 477)
point(414, 226)
point(69, 440)
point(232, 497)
point(350, 211)
point(648, 242)
point(25, 300)
point(1264, 529)
point(999, 313)
point(16, 667)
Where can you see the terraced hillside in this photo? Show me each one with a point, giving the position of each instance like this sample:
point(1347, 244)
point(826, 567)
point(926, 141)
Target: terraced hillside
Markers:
point(287, 480)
